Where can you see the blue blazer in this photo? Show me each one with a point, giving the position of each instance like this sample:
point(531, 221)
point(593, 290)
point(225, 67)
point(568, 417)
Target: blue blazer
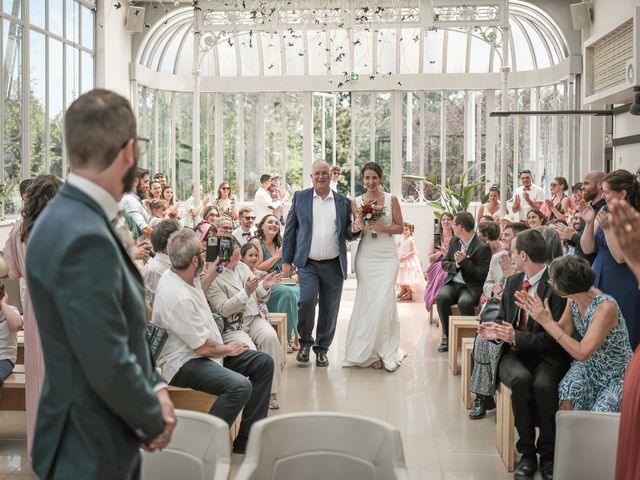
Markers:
point(97, 401)
point(296, 242)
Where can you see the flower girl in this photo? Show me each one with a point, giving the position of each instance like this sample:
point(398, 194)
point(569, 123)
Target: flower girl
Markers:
point(410, 277)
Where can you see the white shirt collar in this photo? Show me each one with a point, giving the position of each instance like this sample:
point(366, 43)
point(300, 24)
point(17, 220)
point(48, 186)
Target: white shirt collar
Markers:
point(96, 193)
point(315, 194)
point(536, 278)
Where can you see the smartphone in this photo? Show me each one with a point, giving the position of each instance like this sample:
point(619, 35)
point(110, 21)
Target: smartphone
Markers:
point(212, 248)
point(437, 240)
point(1, 291)
point(224, 249)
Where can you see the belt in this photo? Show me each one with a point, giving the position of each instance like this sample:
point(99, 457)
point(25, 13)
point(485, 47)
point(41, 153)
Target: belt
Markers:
point(324, 261)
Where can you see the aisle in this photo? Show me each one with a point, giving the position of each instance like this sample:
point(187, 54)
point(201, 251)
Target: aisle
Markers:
point(421, 398)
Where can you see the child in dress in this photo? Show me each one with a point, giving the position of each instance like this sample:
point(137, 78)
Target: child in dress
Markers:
point(410, 277)
point(158, 209)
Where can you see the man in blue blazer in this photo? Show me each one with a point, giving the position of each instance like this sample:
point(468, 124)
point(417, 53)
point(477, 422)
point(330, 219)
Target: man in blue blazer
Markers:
point(318, 227)
point(102, 398)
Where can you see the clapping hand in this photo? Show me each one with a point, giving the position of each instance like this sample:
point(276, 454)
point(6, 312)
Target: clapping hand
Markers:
point(537, 310)
point(527, 197)
point(549, 203)
point(603, 219)
point(565, 233)
point(506, 265)
point(625, 223)
point(516, 203)
point(587, 213)
point(272, 280)
point(497, 331)
point(459, 257)
point(496, 289)
point(251, 284)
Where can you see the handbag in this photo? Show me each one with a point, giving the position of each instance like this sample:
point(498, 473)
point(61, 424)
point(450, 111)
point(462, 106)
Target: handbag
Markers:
point(157, 337)
point(490, 311)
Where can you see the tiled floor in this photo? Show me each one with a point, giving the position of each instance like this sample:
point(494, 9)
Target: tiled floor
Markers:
point(421, 398)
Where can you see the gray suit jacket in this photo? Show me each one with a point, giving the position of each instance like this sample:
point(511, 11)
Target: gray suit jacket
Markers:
point(298, 230)
point(97, 401)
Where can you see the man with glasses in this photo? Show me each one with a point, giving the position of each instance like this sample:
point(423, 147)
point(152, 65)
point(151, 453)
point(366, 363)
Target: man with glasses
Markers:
point(246, 230)
point(527, 196)
point(102, 398)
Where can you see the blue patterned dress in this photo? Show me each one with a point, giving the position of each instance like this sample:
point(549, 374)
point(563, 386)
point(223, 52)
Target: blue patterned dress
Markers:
point(596, 383)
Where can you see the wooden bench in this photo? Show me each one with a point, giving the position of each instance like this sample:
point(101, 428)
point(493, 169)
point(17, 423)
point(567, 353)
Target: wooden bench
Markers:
point(467, 368)
point(460, 327)
point(454, 311)
point(505, 427)
point(279, 322)
point(12, 394)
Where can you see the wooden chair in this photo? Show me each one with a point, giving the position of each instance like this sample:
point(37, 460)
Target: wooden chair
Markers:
point(12, 397)
point(505, 427)
point(467, 368)
point(459, 327)
point(20, 358)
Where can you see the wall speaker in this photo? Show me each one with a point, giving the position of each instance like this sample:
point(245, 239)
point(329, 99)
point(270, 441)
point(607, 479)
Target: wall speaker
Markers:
point(581, 15)
point(135, 19)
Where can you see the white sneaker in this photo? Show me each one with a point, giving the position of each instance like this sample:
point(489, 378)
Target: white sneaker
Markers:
point(274, 404)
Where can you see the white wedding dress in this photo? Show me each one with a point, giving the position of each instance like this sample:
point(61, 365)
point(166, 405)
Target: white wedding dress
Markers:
point(374, 328)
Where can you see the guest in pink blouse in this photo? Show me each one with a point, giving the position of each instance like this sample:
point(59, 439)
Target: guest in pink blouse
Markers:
point(39, 193)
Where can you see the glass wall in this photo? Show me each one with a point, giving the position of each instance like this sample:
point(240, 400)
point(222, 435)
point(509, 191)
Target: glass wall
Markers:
point(47, 62)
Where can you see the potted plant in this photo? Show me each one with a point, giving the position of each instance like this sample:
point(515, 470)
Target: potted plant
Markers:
point(454, 198)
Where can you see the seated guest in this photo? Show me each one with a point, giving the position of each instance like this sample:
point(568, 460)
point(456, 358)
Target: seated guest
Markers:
point(223, 227)
point(161, 178)
point(484, 373)
point(155, 267)
point(235, 295)
point(594, 380)
point(195, 355)
point(576, 195)
point(489, 233)
point(284, 298)
point(530, 363)
point(492, 207)
point(10, 325)
point(501, 265)
point(435, 275)
point(246, 230)
point(467, 264)
point(553, 242)
point(559, 204)
point(210, 214)
point(158, 209)
point(535, 218)
point(249, 254)
point(155, 191)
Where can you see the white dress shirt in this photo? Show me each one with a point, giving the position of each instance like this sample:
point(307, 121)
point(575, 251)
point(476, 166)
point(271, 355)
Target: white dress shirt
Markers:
point(324, 235)
point(242, 239)
point(536, 194)
point(152, 272)
point(495, 273)
point(133, 206)
point(8, 339)
point(182, 309)
point(534, 281)
point(96, 193)
point(250, 303)
point(264, 204)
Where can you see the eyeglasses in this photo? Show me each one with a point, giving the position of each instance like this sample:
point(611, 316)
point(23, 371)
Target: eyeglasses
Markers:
point(225, 188)
point(228, 229)
point(249, 218)
point(141, 142)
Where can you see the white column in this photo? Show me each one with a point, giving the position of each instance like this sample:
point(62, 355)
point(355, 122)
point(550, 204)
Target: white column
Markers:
point(307, 138)
point(504, 121)
point(195, 130)
point(396, 143)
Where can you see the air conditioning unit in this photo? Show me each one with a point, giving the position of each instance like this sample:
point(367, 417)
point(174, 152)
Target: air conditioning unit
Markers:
point(610, 63)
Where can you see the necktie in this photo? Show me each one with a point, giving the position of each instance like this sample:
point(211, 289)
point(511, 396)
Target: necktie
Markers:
point(522, 326)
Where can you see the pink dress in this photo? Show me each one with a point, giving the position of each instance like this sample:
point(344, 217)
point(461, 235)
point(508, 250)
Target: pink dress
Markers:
point(15, 256)
point(410, 272)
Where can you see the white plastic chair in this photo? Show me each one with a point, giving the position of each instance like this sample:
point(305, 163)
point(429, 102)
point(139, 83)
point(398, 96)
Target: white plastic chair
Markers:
point(586, 445)
point(323, 445)
point(199, 450)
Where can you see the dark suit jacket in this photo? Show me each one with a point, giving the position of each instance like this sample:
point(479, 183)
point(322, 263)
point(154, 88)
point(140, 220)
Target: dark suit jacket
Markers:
point(475, 268)
point(97, 401)
point(535, 340)
point(297, 233)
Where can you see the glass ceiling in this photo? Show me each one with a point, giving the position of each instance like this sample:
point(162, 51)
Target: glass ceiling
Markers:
point(404, 45)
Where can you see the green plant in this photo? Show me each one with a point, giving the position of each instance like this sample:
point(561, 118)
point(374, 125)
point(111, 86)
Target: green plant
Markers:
point(455, 198)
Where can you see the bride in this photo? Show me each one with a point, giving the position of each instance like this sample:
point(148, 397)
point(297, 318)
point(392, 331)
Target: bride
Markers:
point(374, 328)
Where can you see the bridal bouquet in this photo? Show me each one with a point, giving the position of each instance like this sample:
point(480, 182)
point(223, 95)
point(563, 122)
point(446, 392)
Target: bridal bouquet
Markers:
point(369, 213)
